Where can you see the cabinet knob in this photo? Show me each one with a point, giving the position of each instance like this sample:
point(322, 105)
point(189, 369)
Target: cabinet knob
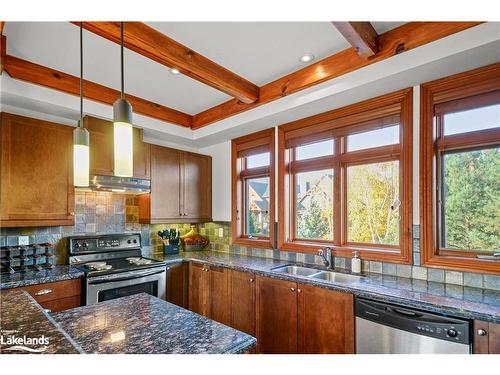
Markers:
point(251, 280)
point(42, 292)
point(72, 213)
point(299, 291)
point(292, 289)
point(48, 310)
point(168, 268)
point(481, 332)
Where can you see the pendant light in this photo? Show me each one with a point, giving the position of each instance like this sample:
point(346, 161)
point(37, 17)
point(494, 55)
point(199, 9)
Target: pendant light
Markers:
point(122, 123)
point(81, 136)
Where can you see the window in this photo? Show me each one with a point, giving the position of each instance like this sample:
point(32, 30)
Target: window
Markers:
point(253, 189)
point(345, 181)
point(461, 198)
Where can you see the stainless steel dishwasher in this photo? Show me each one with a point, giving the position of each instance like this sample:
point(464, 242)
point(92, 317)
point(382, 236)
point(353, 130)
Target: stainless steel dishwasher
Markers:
point(385, 329)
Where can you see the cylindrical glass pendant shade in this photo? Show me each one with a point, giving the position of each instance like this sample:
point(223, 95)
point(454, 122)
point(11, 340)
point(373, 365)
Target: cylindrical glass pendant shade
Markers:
point(81, 158)
point(123, 138)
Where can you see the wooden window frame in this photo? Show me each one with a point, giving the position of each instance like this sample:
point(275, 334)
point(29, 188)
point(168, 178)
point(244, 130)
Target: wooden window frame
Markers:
point(260, 142)
point(364, 116)
point(466, 89)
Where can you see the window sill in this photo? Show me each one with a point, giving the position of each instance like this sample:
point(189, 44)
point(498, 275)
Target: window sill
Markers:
point(390, 255)
point(266, 244)
point(456, 263)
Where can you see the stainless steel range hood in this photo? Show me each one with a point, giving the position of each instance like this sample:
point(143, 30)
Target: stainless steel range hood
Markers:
point(120, 185)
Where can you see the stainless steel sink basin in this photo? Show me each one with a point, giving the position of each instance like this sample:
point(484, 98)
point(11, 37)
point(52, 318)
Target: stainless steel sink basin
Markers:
point(296, 270)
point(336, 277)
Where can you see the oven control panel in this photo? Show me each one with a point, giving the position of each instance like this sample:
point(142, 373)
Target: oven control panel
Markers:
point(110, 242)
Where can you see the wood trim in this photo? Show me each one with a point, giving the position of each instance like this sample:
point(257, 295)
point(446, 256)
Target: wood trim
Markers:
point(156, 46)
point(3, 51)
point(459, 86)
point(401, 39)
point(257, 140)
point(54, 79)
point(361, 35)
point(2, 25)
point(365, 112)
point(480, 138)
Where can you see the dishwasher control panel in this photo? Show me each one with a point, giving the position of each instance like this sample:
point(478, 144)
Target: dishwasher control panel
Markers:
point(415, 321)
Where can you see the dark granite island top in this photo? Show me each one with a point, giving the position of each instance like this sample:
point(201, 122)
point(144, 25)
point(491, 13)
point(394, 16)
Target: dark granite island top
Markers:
point(142, 324)
point(21, 316)
point(58, 273)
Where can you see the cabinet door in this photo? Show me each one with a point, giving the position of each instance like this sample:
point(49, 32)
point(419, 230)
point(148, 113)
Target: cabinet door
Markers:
point(197, 186)
point(101, 146)
point(102, 149)
point(142, 156)
point(165, 180)
point(276, 316)
point(36, 172)
point(486, 338)
point(326, 321)
point(220, 304)
point(177, 279)
point(243, 302)
point(199, 289)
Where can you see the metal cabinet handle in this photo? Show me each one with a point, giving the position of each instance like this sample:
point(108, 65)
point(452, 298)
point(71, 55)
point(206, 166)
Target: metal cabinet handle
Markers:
point(43, 292)
point(481, 332)
point(48, 310)
point(292, 289)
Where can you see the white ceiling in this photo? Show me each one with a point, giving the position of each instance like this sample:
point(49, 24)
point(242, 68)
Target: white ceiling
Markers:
point(258, 51)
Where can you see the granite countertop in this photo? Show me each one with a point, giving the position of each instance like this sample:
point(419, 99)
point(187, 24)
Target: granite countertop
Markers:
point(447, 299)
point(143, 324)
point(57, 273)
point(21, 316)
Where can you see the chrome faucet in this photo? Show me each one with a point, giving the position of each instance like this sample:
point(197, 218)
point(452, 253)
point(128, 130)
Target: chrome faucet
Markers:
point(327, 257)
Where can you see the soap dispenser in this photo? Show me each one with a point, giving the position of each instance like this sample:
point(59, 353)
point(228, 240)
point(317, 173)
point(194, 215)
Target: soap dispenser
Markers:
point(356, 263)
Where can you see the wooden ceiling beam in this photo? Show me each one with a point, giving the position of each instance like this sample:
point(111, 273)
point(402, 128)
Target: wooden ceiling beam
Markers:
point(156, 46)
point(54, 79)
point(403, 38)
point(361, 35)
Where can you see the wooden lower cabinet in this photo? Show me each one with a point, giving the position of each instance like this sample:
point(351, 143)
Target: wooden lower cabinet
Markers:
point(326, 321)
point(486, 338)
point(276, 316)
point(56, 296)
point(199, 289)
point(243, 302)
point(177, 284)
point(295, 318)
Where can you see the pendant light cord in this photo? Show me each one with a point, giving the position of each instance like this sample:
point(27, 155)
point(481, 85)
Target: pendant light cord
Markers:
point(122, 79)
point(81, 75)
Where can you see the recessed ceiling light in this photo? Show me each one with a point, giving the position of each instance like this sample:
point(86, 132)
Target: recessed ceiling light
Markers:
point(307, 57)
point(174, 71)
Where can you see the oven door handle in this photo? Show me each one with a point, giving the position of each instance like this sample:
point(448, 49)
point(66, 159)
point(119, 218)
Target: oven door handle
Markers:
point(138, 276)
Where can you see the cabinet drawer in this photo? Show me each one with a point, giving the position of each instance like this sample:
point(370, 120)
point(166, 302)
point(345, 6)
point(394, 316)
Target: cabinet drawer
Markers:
point(54, 291)
point(62, 304)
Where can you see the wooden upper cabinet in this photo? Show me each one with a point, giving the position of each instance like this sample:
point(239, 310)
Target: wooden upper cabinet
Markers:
point(102, 149)
point(486, 338)
point(181, 188)
point(243, 302)
point(36, 186)
point(197, 186)
point(276, 316)
point(326, 321)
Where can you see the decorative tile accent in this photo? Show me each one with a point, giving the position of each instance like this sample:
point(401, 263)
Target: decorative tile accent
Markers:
point(454, 277)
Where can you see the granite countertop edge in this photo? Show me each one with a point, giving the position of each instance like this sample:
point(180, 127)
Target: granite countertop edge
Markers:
point(58, 273)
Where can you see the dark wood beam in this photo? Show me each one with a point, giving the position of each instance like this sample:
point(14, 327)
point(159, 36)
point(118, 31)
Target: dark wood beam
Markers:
point(361, 35)
point(54, 79)
point(403, 38)
point(152, 44)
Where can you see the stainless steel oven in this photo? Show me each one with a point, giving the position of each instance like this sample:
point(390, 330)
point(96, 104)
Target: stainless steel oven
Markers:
point(116, 285)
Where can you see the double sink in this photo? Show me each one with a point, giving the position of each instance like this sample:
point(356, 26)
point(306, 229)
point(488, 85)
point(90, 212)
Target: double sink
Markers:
point(317, 274)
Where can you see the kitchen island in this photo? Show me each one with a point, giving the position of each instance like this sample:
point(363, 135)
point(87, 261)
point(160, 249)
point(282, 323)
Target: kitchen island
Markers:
point(137, 324)
point(143, 324)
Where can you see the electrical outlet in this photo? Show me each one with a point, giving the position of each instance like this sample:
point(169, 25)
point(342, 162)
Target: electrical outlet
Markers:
point(221, 232)
point(23, 240)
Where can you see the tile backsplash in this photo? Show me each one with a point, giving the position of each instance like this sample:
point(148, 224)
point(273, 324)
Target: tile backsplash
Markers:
point(100, 212)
